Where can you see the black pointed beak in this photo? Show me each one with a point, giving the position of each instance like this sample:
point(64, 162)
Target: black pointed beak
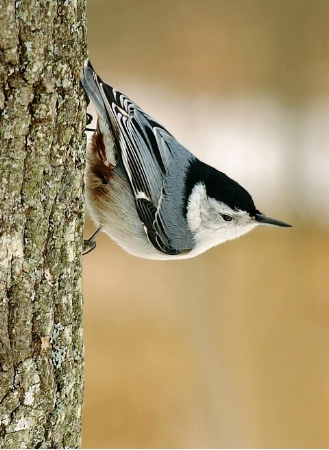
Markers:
point(263, 220)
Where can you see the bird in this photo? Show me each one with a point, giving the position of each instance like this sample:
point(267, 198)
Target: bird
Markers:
point(148, 193)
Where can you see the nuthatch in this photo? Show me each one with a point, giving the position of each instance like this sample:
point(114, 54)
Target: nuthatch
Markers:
point(149, 193)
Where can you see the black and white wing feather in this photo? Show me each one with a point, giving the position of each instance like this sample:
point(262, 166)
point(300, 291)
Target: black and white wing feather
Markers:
point(146, 154)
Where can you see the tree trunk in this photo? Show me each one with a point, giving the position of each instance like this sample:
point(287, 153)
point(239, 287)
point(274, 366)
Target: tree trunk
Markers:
point(42, 151)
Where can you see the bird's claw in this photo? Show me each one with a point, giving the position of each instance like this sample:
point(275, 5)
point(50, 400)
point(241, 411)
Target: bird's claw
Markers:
point(90, 244)
point(88, 122)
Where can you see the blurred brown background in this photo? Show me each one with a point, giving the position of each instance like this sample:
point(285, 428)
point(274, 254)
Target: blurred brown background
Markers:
point(229, 349)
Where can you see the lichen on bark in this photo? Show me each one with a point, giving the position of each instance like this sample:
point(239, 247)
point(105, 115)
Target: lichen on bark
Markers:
point(42, 151)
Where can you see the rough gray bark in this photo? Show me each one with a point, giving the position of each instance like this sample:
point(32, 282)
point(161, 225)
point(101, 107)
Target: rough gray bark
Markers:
point(42, 107)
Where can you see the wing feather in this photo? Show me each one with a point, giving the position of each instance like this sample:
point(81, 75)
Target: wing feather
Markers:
point(146, 157)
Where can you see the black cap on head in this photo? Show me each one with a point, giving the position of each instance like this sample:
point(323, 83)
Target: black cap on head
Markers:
point(219, 186)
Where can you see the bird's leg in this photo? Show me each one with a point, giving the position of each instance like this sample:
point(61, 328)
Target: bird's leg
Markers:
point(90, 244)
point(88, 121)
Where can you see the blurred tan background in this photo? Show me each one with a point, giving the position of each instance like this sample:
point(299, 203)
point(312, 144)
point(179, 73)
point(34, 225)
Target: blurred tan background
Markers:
point(229, 349)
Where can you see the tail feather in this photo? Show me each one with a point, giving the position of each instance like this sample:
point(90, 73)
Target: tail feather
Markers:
point(90, 82)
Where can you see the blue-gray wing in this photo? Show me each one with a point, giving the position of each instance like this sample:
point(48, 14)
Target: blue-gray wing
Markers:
point(147, 151)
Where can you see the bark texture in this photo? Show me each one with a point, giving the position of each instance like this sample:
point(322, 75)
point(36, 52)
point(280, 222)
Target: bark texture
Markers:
point(42, 151)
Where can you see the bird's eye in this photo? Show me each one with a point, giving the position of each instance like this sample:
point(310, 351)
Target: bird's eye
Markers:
point(226, 217)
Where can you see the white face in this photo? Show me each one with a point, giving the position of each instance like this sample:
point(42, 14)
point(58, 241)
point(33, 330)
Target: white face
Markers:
point(206, 219)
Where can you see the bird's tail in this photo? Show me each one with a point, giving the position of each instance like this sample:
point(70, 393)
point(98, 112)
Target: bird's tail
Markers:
point(90, 82)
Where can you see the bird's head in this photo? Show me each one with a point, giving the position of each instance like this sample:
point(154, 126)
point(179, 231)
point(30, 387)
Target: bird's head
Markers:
point(219, 209)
